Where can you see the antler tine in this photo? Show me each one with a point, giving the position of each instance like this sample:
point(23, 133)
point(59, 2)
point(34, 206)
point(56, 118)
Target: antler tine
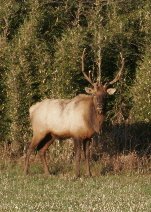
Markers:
point(118, 76)
point(88, 78)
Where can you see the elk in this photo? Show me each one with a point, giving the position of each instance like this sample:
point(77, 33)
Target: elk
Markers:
point(79, 118)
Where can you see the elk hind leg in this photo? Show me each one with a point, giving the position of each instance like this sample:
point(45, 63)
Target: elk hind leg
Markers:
point(42, 147)
point(32, 146)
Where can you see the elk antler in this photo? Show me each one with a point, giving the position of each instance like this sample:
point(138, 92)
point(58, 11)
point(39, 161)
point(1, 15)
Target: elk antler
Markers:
point(88, 78)
point(119, 74)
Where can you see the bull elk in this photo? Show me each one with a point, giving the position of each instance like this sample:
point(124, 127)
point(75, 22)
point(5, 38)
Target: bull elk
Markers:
point(78, 118)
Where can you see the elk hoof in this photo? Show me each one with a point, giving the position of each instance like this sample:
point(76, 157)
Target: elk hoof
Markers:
point(47, 173)
point(76, 177)
point(89, 174)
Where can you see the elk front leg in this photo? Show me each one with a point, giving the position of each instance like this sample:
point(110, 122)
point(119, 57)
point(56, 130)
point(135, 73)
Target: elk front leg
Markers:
point(77, 146)
point(86, 149)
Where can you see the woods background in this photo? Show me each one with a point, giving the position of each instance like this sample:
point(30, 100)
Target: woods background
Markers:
point(41, 43)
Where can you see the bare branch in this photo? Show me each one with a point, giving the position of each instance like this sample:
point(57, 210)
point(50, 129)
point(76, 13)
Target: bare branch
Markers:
point(5, 27)
point(88, 78)
point(99, 65)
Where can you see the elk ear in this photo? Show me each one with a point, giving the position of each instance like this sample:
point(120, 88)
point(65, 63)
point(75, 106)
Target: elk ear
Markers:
point(111, 91)
point(89, 90)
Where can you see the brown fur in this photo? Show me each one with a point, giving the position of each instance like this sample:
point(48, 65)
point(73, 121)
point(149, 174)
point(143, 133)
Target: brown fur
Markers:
point(79, 118)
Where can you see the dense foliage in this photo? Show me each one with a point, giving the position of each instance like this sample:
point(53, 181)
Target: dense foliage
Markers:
point(41, 44)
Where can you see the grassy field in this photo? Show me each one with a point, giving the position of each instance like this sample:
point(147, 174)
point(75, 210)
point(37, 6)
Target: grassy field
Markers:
point(36, 192)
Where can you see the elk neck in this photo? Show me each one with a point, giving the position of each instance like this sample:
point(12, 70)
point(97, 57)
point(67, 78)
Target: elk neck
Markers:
point(99, 107)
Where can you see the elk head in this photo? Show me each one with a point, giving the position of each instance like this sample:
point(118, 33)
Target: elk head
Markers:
point(98, 90)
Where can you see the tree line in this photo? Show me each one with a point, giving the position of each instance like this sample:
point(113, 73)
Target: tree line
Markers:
point(41, 44)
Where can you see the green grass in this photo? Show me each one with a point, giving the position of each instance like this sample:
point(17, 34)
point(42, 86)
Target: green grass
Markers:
point(117, 193)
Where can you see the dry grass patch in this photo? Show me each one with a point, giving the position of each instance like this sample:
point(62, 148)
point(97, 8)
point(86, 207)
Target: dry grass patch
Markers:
point(126, 163)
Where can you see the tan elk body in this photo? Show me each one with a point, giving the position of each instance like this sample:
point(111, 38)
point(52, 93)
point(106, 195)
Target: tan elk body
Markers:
point(78, 118)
